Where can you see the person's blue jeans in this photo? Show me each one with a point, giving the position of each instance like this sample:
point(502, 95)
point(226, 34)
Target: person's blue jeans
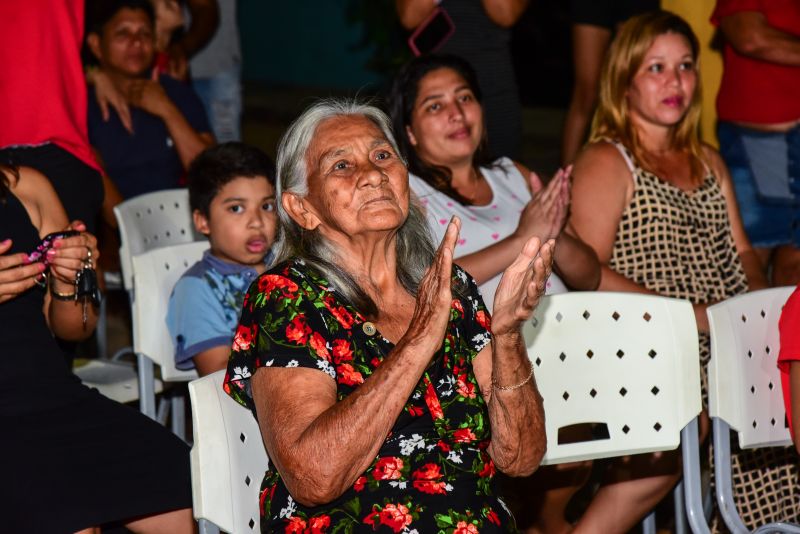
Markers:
point(768, 222)
point(222, 97)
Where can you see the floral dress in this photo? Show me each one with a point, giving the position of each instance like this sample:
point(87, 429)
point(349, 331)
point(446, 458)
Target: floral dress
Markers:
point(432, 474)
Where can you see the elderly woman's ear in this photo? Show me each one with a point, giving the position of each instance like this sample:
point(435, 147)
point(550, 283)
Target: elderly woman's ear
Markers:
point(300, 211)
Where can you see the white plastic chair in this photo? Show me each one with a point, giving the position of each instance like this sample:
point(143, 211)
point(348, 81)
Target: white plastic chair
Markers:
point(745, 388)
point(228, 459)
point(156, 273)
point(626, 363)
point(150, 221)
point(116, 380)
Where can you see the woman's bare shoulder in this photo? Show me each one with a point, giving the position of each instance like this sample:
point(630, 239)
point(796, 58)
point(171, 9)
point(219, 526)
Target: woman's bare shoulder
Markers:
point(602, 161)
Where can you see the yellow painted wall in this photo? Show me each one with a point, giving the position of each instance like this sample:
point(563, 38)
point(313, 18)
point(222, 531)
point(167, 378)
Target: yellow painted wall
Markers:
point(698, 13)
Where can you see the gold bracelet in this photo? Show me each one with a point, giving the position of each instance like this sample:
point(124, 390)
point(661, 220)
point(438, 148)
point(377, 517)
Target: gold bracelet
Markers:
point(515, 386)
point(62, 296)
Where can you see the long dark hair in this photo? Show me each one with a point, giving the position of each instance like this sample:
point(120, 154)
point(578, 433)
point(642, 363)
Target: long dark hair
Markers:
point(402, 96)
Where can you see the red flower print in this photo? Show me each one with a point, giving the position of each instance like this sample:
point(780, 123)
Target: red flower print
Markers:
point(296, 525)
point(317, 343)
point(269, 282)
point(464, 435)
point(429, 471)
point(243, 338)
point(425, 479)
point(388, 468)
point(444, 446)
point(360, 483)
point(430, 487)
point(375, 362)
point(433, 402)
point(487, 470)
point(317, 525)
point(483, 319)
point(492, 517)
point(456, 305)
point(297, 331)
point(348, 376)
point(462, 527)
point(395, 516)
point(342, 351)
point(341, 314)
point(415, 411)
point(464, 388)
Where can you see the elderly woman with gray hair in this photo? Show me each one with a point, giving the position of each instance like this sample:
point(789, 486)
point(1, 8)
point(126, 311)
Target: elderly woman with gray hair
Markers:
point(385, 394)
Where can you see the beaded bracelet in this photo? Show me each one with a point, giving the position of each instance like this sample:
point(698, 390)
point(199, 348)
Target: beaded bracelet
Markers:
point(515, 386)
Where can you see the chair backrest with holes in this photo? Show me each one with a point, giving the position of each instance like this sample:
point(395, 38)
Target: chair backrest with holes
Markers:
point(151, 221)
point(743, 378)
point(627, 361)
point(228, 458)
point(157, 271)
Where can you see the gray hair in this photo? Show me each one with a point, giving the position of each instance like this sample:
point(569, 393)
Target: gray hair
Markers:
point(415, 248)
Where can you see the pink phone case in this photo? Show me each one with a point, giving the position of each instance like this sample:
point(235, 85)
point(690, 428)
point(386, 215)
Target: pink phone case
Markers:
point(437, 17)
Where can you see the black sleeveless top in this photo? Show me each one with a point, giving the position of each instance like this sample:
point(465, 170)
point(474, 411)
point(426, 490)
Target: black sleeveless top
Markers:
point(33, 372)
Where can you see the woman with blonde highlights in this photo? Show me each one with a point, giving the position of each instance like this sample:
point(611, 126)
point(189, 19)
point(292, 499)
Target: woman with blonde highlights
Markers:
point(658, 208)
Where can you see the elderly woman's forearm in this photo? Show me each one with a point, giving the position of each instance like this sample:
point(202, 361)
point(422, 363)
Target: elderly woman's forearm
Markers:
point(516, 415)
point(301, 437)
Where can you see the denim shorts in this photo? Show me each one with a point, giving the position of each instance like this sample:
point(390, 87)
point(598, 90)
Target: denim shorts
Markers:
point(769, 205)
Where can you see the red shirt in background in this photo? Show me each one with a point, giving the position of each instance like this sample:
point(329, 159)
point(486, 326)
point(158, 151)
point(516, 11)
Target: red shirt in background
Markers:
point(756, 91)
point(789, 327)
point(42, 84)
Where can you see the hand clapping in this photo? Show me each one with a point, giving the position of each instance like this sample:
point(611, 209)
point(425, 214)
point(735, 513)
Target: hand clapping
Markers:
point(522, 285)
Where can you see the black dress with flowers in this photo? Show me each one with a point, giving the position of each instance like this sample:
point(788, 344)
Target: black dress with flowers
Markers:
point(432, 473)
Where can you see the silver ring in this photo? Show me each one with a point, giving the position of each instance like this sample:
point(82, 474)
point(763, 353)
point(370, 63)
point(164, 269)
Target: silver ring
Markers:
point(88, 254)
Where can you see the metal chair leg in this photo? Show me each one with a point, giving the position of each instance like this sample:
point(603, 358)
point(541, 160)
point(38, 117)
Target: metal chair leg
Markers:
point(691, 478)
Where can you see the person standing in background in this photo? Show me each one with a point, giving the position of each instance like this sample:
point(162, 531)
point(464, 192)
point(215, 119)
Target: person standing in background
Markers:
point(216, 69)
point(482, 36)
point(759, 125)
point(593, 25)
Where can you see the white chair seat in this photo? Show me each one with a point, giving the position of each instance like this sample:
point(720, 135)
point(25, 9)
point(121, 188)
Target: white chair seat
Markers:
point(116, 380)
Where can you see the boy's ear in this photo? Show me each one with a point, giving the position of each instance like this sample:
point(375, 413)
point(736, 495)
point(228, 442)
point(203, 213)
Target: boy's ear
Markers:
point(299, 210)
point(200, 222)
point(93, 40)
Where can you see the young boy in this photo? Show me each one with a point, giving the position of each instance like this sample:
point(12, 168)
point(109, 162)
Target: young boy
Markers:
point(232, 196)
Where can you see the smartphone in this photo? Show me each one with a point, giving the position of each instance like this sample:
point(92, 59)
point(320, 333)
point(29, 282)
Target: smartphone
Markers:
point(432, 33)
point(40, 252)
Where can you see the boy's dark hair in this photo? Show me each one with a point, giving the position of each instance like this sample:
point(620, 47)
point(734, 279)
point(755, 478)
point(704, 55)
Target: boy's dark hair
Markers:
point(99, 12)
point(220, 164)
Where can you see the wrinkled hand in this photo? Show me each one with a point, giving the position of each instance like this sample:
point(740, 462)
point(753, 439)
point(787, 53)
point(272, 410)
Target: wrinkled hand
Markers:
point(107, 95)
point(68, 256)
point(148, 95)
point(432, 311)
point(522, 286)
point(16, 275)
point(546, 213)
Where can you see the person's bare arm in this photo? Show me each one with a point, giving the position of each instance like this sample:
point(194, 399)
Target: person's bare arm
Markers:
point(504, 13)
point(794, 388)
point(211, 360)
point(203, 25)
point(756, 278)
point(543, 217)
point(750, 34)
point(601, 188)
point(412, 12)
point(151, 97)
point(321, 446)
point(516, 414)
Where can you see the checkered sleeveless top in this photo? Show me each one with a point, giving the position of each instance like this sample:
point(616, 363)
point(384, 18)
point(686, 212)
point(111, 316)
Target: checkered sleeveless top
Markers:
point(677, 243)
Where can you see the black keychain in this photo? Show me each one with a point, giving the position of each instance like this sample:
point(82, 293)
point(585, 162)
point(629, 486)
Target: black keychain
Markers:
point(86, 287)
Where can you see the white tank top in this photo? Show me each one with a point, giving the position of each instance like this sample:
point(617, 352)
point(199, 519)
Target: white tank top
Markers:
point(482, 226)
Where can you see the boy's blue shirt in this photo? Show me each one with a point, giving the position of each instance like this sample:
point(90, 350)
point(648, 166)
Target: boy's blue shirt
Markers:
point(205, 304)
